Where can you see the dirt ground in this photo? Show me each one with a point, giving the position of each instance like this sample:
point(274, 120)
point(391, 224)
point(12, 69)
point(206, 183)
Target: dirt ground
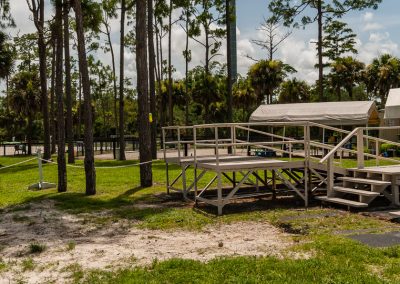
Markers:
point(74, 242)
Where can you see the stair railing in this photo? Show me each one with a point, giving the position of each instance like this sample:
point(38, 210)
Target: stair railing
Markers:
point(329, 158)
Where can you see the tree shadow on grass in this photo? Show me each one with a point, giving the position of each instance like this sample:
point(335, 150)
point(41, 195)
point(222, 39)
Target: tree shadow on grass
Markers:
point(257, 205)
point(18, 168)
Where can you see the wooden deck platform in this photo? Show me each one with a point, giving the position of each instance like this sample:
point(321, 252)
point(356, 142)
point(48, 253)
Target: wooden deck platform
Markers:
point(249, 163)
point(183, 161)
point(389, 170)
point(309, 164)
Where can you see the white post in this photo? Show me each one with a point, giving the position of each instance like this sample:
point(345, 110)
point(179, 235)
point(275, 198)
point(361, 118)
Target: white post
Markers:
point(360, 148)
point(39, 157)
point(248, 148)
point(330, 177)
point(165, 159)
point(179, 144)
point(323, 141)
point(41, 184)
point(307, 161)
point(216, 145)
point(195, 162)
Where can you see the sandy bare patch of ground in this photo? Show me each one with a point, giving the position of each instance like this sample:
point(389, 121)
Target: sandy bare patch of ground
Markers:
point(72, 242)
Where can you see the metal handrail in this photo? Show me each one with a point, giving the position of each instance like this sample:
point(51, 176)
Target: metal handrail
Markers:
point(250, 143)
point(340, 145)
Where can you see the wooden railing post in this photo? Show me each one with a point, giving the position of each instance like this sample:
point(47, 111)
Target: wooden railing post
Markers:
point(330, 177)
point(360, 148)
point(233, 133)
point(307, 161)
point(179, 143)
point(216, 145)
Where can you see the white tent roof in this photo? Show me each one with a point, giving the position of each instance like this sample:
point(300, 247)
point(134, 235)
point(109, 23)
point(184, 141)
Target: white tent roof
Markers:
point(392, 107)
point(329, 113)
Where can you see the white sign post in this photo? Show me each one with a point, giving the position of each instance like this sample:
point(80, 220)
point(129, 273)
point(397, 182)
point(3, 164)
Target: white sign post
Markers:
point(41, 184)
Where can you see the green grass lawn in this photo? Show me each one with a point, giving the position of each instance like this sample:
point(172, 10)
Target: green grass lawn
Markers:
point(333, 258)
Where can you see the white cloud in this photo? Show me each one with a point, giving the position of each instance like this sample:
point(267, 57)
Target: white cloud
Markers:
point(368, 16)
point(372, 27)
point(377, 44)
point(301, 55)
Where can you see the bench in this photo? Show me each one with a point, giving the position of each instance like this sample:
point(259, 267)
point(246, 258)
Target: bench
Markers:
point(20, 148)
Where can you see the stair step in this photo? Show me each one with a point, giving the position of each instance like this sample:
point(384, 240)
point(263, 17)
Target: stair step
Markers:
point(342, 201)
point(365, 181)
point(355, 191)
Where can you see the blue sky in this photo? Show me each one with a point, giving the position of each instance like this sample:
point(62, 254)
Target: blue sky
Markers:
point(377, 33)
point(377, 30)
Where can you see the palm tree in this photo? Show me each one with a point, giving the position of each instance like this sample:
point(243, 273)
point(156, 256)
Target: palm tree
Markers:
point(294, 91)
point(345, 72)
point(244, 97)
point(6, 62)
point(25, 99)
point(382, 75)
point(266, 76)
point(207, 89)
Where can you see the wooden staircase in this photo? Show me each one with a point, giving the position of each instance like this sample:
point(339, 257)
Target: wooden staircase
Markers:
point(358, 189)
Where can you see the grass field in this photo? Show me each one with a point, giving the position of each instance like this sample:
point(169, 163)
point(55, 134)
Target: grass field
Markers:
point(332, 257)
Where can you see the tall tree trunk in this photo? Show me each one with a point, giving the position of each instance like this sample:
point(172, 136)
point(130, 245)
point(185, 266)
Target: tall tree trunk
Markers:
point(161, 107)
point(161, 55)
point(68, 95)
point(152, 80)
point(146, 178)
point(271, 44)
point(80, 106)
point(30, 132)
point(158, 67)
point(39, 22)
point(90, 170)
point(207, 55)
point(187, 68)
point(320, 59)
point(230, 39)
point(170, 105)
point(52, 111)
point(115, 89)
point(121, 84)
point(229, 46)
point(62, 171)
point(350, 92)
point(7, 94)
point(338, 93)
point(43, 85)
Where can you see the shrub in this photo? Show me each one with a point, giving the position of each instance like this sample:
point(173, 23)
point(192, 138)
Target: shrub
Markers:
point(385, 147)
point(36, 248)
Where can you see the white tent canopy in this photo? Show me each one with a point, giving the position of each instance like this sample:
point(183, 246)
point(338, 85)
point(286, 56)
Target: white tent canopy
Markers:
point(328, 113)
point(392, 107)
